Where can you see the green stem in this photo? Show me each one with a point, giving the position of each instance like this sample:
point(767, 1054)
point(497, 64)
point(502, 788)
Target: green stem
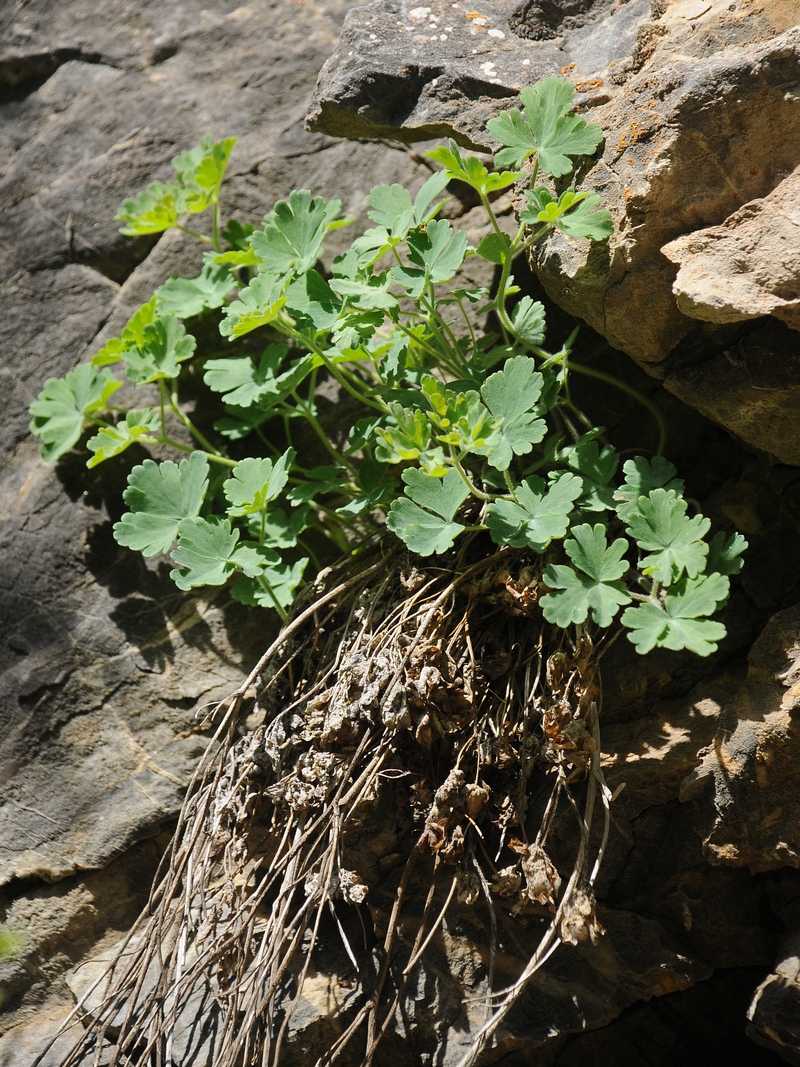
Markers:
point(215, 226)
point(194, 233)
point(262, 581)
point(287, 328)
point(162, 401)
point(212, 457)
point(466, 478)
point(187, 422)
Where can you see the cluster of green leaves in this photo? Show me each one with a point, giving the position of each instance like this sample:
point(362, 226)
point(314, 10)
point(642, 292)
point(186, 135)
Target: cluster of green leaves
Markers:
point(457, 430)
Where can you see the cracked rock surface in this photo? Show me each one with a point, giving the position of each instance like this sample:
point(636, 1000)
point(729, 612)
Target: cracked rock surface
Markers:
point(105, 666)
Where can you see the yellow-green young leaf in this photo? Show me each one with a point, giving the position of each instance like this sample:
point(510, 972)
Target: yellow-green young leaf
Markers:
point(254, 482)
point(258, 304)
point(165, 346)
point(155, 209)
point(65, 404)
point(132, 335)
point(137, 427)
point(470, 169)
point(161, 496)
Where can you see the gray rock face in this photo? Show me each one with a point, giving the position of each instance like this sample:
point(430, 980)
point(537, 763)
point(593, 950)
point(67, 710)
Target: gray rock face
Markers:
point(104, 666)
point(698, 100)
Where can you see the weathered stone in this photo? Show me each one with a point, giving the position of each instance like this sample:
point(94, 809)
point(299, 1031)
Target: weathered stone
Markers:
point(774, 1014)
point(747, 808)
point(747, 267)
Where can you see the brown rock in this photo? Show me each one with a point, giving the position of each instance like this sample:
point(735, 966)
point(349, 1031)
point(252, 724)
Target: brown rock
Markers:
point(748, 266)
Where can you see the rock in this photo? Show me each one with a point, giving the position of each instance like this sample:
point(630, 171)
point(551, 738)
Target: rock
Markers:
point(747, 267)
point(774, 1014)
point(747, 810)
point(681, 91)
point(413, 71)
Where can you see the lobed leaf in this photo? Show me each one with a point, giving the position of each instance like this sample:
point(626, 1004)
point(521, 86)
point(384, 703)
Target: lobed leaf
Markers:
point(64, 405)
point(254, 482)
point(160, 496)
point(293, 233)
point(259, 303)
point(208, 553)
point(186, 297)
point(594, 586)
point(137, 427)
point(679, 622)
point(164, 347)
point(544, 127)
point(539, 514)
point(642, 475)
point(674, 542)
point(528, 321)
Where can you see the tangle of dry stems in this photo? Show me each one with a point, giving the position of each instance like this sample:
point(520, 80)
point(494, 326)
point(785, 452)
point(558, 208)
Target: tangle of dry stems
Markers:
point(436, 699)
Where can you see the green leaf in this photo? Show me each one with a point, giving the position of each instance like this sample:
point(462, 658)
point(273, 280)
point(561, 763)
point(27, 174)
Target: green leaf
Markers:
point(679, 622)
point(311, 300)
point(132, 335)
point(294, 232)
point(528, 321)
point(595, 583)
point(575, 213)
point(372, 295)
point(470, 169)
point(138, 427)
point(545, 127)
point(423, 212)
point(282, 579)
point(661, 527)
point(276, 529)
point(259, 303)
point(437, 252)
point(597, 467)
point(725, 554)
point(208, 552)
point(321, 480)
point(538, 515)
point(443, 496)
point(391, 207)
point(254, 482)
point(495, 247)
point(161, 496)
point(64, 404)
point(642, 475)
point(165, 346)
point(240, 381)
point(155, 209)
point(186, 297)
point(424, 523)
point(511, 395)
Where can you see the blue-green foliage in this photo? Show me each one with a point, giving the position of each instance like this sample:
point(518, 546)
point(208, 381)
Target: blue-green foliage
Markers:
point(456, 433)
